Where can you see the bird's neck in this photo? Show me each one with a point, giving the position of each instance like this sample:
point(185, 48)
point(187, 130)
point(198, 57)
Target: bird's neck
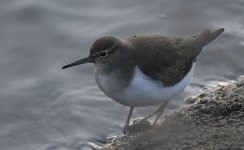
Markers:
point(123, 71)
point(113, 81)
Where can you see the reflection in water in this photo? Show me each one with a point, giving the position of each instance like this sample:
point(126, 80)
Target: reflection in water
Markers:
point(44, 107)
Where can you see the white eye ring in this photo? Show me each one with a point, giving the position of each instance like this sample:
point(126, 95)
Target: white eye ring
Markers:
point(103, 54)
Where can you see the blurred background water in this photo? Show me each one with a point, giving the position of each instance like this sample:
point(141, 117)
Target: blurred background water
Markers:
point(45, 108)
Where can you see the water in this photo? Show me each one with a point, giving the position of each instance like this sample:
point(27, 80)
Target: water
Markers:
point(45, 108)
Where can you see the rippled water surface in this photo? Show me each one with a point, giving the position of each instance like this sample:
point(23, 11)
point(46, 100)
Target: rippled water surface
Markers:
point(45, 108)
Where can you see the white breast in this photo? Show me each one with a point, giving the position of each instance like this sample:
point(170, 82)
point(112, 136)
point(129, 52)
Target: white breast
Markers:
point(142, 91)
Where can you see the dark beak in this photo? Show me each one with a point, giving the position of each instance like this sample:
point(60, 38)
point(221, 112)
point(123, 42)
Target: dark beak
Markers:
point(85, 60)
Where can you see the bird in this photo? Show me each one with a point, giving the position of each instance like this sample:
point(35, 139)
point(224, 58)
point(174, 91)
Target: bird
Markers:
point(145, 70)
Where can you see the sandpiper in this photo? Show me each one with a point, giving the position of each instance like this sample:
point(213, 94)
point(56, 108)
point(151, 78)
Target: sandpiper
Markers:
point(145, 70)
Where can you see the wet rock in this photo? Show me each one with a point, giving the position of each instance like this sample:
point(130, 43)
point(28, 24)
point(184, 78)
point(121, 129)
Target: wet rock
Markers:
point(139, 126)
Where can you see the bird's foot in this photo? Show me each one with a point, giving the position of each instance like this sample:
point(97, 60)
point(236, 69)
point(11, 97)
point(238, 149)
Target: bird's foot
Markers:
point(138, 125)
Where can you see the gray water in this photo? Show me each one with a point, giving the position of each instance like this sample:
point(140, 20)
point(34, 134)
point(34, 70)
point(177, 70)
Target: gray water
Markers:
point(45, 108)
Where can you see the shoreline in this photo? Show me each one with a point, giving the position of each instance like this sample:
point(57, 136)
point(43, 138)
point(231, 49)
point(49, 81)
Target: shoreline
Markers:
point(214, 121)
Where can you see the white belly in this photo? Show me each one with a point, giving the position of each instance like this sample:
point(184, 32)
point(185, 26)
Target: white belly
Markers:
point(142, 91)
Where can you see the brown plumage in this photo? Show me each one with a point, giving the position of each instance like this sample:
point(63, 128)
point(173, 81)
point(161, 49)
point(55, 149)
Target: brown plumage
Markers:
point(166, 59)
point(169, 59)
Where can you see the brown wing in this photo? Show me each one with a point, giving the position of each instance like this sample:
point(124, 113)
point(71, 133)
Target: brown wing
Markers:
point(169, 59)
point(162, 59)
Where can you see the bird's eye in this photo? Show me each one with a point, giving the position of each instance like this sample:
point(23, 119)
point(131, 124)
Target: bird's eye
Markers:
point(103, 54)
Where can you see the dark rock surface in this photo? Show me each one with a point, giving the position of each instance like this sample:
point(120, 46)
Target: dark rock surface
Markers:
point(215, 121)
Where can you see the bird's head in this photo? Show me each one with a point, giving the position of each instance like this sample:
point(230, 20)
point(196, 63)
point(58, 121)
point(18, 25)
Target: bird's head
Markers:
point(105, 53)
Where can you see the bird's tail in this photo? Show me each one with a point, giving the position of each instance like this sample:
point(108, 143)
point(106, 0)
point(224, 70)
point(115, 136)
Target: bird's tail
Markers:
point(197, 42)
point(206, 37)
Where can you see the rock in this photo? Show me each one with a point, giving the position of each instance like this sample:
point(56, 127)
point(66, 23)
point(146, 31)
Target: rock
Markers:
point(139, 126)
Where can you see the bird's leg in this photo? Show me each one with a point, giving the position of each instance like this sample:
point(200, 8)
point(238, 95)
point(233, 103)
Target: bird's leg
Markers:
point(156, 112)
point(151, 115)
point(128, 119)
point(161, 109)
